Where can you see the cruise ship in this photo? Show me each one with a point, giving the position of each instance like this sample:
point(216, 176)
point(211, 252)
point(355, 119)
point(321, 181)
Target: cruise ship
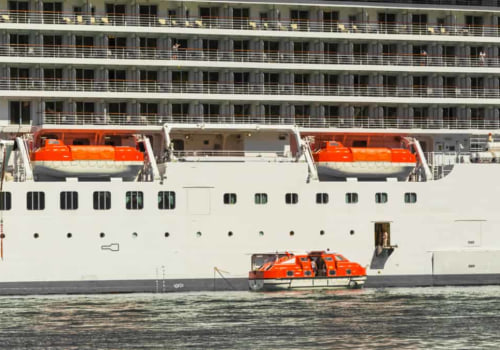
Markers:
point(155, 146)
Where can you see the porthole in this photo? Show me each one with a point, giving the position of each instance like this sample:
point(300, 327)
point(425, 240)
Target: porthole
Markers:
point(292, 233)
point(261, 233)
point(230, 233)
point(102, 235)
point(198, 234)
point(134, 234)
point(69, 235)
point(322, 232)
point(351, 232)
point(167, 234)
point(2, 236)
point(332, 272)
point(289, 273)
point(348, 272)
point(307, 273)
point(36, 235)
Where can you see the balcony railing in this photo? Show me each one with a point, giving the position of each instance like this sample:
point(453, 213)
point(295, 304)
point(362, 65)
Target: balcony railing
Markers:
point(246, 56)
point(148, 86)
point(303, 25)
point(64, 118)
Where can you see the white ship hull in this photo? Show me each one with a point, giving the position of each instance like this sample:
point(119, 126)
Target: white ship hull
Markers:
point(437, 243)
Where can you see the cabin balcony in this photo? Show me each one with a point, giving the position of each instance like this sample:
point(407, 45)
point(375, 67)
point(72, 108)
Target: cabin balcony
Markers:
point(160, 21)
point(226, 90)
point(138, 54)
point(304, 121)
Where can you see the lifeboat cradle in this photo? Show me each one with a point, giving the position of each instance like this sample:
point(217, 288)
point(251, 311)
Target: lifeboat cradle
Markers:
point(313, 270)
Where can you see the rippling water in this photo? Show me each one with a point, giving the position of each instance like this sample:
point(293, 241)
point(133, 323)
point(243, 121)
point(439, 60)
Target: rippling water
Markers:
point(441, 318)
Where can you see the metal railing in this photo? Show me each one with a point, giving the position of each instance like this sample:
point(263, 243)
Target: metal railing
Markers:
point(66, 118)
point(141, 86)
point(134, 53)
point(296, 25)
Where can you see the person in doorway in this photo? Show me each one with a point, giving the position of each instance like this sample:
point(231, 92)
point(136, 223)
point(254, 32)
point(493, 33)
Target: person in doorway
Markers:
point(482, 58)
point(423, 54)
point(314, 267)
point(385, 240)
point(175, 49)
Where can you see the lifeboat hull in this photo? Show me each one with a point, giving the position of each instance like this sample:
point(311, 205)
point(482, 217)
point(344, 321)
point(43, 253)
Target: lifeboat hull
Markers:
point(352, 282)
point(365, 170)
point(91, 169)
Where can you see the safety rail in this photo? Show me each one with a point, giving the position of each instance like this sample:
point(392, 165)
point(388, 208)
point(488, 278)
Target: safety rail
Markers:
point(235, 23)
point(148, 86)
point(259, 155)
point(262, 56)
point(63, 118)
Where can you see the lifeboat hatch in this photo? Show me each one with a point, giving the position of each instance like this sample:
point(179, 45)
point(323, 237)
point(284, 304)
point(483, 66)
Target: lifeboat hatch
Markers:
point(383, 248)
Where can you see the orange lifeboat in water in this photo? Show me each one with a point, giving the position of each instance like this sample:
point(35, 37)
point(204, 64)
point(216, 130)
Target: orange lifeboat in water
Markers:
point(55, 160)
point(316, 269)
point(334, 160)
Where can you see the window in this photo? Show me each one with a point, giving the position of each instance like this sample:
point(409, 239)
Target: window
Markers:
point(102, 200)
point(381, 197)
point(166, 200)
point(351, 197)
point(134, 200)
point(5, 200)
point(261, 198)
point(229, 198)
point(20, 112)
point(291, 198)
point(410, 197)
point(35, 200)
point(321, 198)
point(69, 200)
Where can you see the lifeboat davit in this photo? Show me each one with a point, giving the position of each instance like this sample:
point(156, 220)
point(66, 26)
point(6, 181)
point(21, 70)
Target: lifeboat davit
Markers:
point(56, 160)
point(334, 160)
point(317, 269)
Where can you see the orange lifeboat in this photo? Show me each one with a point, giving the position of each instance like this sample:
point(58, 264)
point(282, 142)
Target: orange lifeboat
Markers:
point(316, 269)
point(57, 160)
point(337, 161)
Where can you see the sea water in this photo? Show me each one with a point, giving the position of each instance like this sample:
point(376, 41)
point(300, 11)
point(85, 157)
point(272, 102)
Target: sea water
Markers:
point(416, 318)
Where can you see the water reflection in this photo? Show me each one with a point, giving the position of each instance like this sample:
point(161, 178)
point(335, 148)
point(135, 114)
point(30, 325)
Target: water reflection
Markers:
point(371, 318)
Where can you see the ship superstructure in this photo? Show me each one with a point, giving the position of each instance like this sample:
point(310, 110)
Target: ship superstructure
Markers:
point(227, 102)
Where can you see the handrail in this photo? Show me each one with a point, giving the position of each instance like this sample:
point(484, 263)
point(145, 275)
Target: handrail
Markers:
point(178, 87)
point(365, 122)
point(264, 56)
point(248, 23)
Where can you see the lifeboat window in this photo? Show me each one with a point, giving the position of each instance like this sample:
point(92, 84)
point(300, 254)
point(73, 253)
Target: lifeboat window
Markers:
point(304, 259)
point(261, 198)
point(35, 200)
point(332, 272)
point(339, 258)
point(229, 198)
point(134, 200)
point(166, 200)
point(5, 200)
point(351, 197)
point(289, 273)
point(291, 198)
point(348, 272)
point(381, 197)
point(328, 258)
point(102, 200)
point(410, 197)
point(69, 200)
point(307, 273)
point(322, 198)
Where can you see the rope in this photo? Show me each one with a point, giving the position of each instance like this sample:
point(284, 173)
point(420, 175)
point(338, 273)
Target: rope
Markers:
point(216, 270)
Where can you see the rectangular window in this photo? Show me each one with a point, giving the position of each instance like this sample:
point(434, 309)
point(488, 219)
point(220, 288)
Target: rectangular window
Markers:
point(35, 200)
point(134, 200)
point(5, 201)
point(321, 198)
point(229, 198)
point(291, 198)
point(381, 197)
point(69, 200)
point(261, 198)
point(410, 197)
point(102, 200)
point(351, 197)
point(166, 200)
